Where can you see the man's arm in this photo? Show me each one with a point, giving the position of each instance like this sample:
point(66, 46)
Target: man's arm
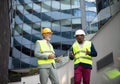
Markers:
point(93, 52)
point(71, 55)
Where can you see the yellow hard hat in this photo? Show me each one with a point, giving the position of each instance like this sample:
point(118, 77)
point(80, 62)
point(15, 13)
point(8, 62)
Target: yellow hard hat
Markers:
point(46, 30)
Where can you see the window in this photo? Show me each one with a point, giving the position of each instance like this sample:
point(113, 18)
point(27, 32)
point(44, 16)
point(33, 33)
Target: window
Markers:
point(75, 4)
point(28, 8)
point(37, 7)
point(46, 6)
point(55, 5)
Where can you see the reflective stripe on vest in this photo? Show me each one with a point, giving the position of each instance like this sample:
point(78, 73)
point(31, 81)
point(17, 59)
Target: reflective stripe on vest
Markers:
point(80, 53)
point(46, 49)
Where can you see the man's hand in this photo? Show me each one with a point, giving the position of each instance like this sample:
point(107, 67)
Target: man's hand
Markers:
point(87, 52)
point(71, 56)
point(51, 56)
point(58, 59)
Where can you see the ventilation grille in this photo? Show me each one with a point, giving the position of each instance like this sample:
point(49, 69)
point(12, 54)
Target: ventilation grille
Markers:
point(107, 60)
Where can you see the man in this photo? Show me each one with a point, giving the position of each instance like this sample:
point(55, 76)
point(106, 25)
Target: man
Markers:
point(46, 58)
point(82, 51)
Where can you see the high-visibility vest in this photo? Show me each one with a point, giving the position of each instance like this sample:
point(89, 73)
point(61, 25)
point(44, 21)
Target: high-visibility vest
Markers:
point(80, 53)
point(46, 49)
point(112, 74)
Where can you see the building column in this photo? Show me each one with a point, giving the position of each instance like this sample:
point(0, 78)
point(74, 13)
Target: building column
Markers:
point(83, 13)
point(4, 41)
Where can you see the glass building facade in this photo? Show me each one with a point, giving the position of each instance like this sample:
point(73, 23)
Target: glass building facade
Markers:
point(105, 10)
point(64, 17)
point(29, 17)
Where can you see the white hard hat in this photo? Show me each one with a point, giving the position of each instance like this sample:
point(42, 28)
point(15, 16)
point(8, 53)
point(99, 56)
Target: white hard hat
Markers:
point(79, 32)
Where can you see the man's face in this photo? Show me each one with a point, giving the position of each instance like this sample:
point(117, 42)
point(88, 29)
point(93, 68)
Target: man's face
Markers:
point(47, 36)
point(80, 38)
